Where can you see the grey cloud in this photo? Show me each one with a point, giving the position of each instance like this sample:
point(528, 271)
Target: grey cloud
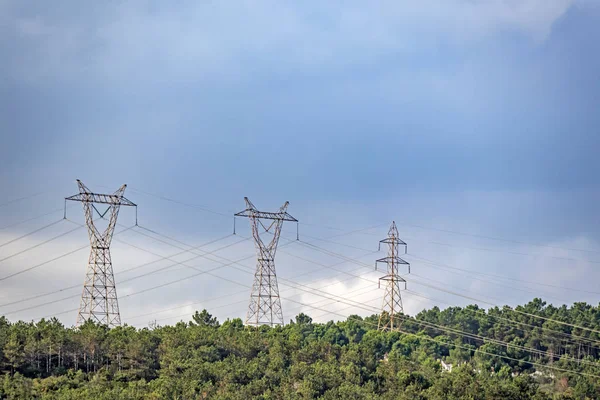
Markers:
point(124, 41)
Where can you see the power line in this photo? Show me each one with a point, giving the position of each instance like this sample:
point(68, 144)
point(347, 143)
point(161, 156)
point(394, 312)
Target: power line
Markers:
point(126, 280)
point(504, 277)
point(232, 294)
point(229, 263)
point(162, 258)
point(39, 244)
point(436, 288)
point(499, 355)
point(50, 261)
point(289, 242)
point(530, 291)
point(206, 209)
point(478, 249)
point(23, 198)
point(491, 340)
point(518, 253)
point(475, 299)
point(40, 265)
point(117, 273)
point(450, 292)
point(466, 334)
point(31, 219)
point(514, 310)
point(228, 214)
point(469, 271)
point(201, 272)
point(30, 233)
point(463, 347)
point(312, 290)
point(177, 262)
point(572, 338)
point(500, 239)
point(234, 303)
point(359, 305)
point(195, 206)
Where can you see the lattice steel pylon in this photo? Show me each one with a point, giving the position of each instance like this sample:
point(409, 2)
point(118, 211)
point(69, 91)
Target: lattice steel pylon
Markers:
point(99, 297)
point(391, 309)
point(265, 304)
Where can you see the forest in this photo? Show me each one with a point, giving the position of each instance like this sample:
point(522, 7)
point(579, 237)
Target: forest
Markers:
point(535, 351)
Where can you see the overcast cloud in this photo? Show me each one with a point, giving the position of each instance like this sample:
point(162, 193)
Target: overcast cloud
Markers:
point(464, 116)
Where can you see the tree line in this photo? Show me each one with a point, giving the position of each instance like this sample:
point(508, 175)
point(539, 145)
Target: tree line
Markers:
point(535, 351)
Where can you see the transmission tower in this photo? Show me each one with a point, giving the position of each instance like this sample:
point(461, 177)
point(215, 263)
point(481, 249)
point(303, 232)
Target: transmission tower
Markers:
point(265, 304)
point(391, 310)
point(99, 298)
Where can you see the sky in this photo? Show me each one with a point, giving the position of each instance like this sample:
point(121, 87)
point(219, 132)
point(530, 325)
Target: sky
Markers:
point(465, 121)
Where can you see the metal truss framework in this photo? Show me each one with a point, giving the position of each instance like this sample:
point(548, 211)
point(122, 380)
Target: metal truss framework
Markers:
point(392, 310)
point(265, 304)
point(99, 297)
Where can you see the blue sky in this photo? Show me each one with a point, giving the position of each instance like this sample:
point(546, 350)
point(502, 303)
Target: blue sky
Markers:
point(471, 116)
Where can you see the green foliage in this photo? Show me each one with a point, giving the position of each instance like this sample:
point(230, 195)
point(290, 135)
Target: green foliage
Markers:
point(349, 359)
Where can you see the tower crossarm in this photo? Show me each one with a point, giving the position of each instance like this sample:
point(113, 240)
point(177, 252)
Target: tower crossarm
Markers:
point(392, 278)
point(97, 198)
point(393, 261)
point(394, 241)
point(252, 212)
point(85, 195)
point(282, 216)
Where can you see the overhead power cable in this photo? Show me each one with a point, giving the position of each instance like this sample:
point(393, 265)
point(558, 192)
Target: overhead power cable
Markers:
point(77, 295)
point(504, 277)
point(229, 263)
point(30, 233)
point(455, 232)
point(239, 292)
point(450, 292)
point(569, 337)
point(500, 239)
point(185, 278)
point(491, 340)
point(17, 200)
point(471, 271)
point(342, 300)
point(425, 337)
point(195, 206)
point(475, 299)
point(251, 270)
point(308, 289)
point(428, 324)
point(502, 284)
point(39, 244)
point(22, 271)
point(365, 265)
point(246, 267)
point(516, 253)
point(55, 211)
point(361, 289)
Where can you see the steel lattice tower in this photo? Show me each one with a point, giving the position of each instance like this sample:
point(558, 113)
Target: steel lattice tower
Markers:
point(265, 304)
point(99, 297)
point(392, 300)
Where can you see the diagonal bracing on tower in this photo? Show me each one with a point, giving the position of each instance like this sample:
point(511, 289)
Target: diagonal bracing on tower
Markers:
point(392, 310)
point(265, 304)
point(99, 297)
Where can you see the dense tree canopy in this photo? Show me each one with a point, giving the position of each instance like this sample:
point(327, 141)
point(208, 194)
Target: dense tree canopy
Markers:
point(456, 353)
